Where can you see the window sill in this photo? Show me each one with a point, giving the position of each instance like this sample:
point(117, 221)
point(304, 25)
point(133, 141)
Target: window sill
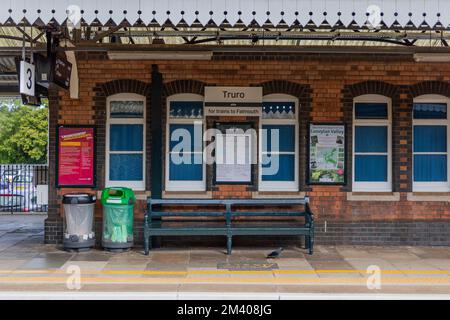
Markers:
point(187, 194)
point(373, 196)
point(429, 196)
point(277, 194)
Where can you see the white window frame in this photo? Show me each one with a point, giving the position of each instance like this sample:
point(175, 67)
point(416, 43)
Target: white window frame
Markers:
point(188, 185)
point(368, 186)
point(432, 186)
point(138, 185)
point(288, 186)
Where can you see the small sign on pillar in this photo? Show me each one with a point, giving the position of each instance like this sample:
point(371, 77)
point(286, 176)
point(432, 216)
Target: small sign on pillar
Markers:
point(27, 78)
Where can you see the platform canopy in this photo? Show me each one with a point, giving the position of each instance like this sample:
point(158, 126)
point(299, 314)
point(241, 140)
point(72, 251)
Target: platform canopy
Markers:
point(228, 22)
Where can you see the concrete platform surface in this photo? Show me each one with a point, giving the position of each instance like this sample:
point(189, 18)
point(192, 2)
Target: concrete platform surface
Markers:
point(31, 270)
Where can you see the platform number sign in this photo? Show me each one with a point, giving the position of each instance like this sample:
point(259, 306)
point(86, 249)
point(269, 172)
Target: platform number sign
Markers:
point(27, 77)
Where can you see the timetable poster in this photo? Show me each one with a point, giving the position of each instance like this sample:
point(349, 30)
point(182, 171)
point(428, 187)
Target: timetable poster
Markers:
point(76, 156)
point(327, 154)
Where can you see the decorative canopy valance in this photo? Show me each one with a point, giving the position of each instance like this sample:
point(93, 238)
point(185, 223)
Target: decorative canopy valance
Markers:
point(325, 14)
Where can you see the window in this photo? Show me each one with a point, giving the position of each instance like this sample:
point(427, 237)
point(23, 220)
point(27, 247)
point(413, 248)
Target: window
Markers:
point(372, 149)
point(431, 144)
point(125, 141)
point(278, 169)
point(185, 169)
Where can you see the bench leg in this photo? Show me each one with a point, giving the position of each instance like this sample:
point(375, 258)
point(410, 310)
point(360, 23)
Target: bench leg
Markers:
point(229, 244)
point(311, 244)
point(306, 242)
point(147, 244)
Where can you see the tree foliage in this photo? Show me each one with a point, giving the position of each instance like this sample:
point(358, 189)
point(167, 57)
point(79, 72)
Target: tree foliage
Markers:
point(23, 132)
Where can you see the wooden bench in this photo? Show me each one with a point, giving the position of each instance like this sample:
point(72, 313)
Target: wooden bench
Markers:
point(155, 223)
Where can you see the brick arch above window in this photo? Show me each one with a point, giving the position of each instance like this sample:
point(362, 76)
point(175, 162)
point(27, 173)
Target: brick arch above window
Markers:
point(371, 87)
point(430, 87)
point(183, 86)
point(286, 87)
point(125, 86)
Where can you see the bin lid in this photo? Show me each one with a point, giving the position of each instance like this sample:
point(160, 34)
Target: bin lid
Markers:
point(118, 196)
point(79, 198)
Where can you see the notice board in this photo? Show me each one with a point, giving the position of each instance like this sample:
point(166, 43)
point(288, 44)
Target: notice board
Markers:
point(76, 156)
point(327, 154)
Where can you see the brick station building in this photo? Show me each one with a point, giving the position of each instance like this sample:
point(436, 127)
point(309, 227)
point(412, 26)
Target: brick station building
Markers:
point(391, 95)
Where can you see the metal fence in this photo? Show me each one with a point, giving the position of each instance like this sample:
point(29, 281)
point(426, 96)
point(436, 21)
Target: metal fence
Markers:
point(23, 188)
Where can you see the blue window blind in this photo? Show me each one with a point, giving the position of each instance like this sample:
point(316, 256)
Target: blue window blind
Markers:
point(430, 111)
point(185, 165)
point(185, 133)
point(430, 168)
point(192, 171)
point(126, 137)
point(371, 168)
point(371, 138)
point(278, 161)
point(430, 138)
point(126, 167)
point(371, 110)
point(282, 165)
point(286, 141)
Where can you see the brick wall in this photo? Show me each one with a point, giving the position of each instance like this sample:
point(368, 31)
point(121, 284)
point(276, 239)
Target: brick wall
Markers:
point(325, 85)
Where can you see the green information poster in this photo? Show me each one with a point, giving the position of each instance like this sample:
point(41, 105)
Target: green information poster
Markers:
point(327, 154)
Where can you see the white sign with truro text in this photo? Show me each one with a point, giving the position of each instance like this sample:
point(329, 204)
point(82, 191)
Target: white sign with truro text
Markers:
point(27, 76)
point(233, 95)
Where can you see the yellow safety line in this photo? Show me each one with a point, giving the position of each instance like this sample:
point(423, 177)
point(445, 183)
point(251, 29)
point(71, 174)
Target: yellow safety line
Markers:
point(253, 272)
point(261, 280)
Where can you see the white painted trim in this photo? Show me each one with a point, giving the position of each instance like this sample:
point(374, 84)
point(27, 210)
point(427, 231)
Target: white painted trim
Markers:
point(286, 186)
point(135, 185)
point(373, 186)
point(432, 186)
point(182, 185)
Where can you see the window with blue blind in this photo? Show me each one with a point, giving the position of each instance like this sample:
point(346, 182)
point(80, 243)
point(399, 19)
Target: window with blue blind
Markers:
point(278, 168)
point(278, 152)
point(184, 147)
point(371, 145)
point(430, 146)
point(126, 142)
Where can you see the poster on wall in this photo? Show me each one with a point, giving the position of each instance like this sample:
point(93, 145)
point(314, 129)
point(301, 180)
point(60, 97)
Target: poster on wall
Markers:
point(76, 163)
point(327, 154)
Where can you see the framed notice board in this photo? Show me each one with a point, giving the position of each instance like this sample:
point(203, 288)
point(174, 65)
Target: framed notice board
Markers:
point(327, 154)
point(75, 156)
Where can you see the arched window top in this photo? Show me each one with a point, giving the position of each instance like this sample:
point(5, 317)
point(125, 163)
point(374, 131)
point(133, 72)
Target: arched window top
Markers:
point(185, 106)
point(431, 98)
point(372, 107)
point(430, 106)
point(126, 105)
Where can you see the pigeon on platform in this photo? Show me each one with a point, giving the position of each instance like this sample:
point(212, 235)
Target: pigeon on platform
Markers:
point(275, 254)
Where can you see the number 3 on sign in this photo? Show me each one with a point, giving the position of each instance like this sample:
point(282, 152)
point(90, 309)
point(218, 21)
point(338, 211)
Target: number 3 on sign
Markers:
point(27, 75)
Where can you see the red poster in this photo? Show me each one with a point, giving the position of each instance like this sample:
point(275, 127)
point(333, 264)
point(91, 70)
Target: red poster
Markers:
point(76, 156)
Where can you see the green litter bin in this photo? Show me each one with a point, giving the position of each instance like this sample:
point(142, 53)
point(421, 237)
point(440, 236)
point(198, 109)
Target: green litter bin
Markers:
point(118, 204)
